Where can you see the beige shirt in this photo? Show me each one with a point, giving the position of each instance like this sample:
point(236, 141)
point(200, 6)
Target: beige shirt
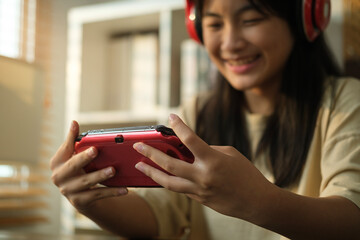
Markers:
point(332, 168)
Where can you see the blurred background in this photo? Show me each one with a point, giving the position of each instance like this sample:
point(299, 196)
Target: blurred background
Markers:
point(104, 63)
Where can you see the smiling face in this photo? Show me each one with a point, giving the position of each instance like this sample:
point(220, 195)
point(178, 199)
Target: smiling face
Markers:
point(249, 48)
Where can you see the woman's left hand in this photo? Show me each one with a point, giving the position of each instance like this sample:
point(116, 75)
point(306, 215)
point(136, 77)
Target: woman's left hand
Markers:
point(220, 177)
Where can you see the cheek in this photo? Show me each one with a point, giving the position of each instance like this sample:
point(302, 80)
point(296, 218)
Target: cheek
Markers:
point(212, 46)
point(210, 43)
point(276, 44)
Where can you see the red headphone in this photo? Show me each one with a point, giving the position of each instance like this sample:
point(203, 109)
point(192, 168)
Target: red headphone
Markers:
point(315, 16)
point(191, 21)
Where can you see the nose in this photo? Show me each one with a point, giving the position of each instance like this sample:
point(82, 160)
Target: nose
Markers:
point(232, 40)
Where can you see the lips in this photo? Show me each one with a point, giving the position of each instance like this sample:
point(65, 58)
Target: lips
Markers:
point(243, 61)
point(242, 65)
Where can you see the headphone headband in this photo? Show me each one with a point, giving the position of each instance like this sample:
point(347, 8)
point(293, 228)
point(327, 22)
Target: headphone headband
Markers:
point(315, 16)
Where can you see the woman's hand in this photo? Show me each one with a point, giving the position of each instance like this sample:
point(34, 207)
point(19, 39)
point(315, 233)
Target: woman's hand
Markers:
point(220, 177)
point(68, 175)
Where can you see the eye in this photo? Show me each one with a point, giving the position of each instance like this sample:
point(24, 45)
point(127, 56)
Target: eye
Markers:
point(213, 25)
point(252, 17)
point(252, 21)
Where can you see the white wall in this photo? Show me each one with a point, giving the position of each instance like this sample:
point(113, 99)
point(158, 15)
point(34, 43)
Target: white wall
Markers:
point(334, 32)
point(58, 63)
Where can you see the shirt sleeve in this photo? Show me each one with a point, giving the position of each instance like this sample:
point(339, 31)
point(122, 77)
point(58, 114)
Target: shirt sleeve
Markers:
point(340, 166)
point(170, 209)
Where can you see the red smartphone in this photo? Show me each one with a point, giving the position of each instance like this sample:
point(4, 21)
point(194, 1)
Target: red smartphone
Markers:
point(115, 148)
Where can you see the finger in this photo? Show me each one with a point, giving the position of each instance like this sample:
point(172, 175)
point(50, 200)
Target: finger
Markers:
point(82, 199)
point(66, 150)
point(172, 165)
point(73, 166)
point(86, 181)
point(228, 150)
point(194, 143)
point(195, 197)
point(173, 183)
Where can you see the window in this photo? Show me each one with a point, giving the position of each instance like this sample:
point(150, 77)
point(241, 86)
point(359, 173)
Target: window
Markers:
point(17, 29)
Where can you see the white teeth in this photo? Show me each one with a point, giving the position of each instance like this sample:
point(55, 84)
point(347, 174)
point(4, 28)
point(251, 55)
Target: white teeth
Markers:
point(242, 61)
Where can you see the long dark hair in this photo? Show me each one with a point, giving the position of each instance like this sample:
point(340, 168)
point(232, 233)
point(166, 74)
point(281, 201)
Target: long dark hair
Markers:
point(290, 128)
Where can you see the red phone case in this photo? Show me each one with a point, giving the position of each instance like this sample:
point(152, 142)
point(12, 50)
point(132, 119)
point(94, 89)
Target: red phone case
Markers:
point(115, 148)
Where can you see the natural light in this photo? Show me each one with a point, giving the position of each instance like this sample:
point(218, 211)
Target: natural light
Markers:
point(10, 27)
point(17, 29)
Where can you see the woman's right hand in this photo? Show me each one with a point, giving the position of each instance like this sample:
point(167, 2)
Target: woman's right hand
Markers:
point(80, 188)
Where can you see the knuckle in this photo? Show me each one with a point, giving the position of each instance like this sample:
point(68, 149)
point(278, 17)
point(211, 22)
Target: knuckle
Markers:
point(149, 173)
point(201, 196)
point(168, 185)
point(63, 190)
point(147, 153)
point(204, 195)
point(71, 166)
point(102, 193)
point(86, 183)
point(98, 195)
point(52, 163)
point(65, 147)
point(55, 178)
point(203, 201)
point(211, 168)
point(169, 166)
point(76, 201)
point(206, 184)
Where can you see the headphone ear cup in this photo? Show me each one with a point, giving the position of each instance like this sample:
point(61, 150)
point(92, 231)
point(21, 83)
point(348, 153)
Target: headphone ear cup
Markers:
point(322, 14)
point(315, 17)
point(192, 24)
point(307, 14)
point(190, 16)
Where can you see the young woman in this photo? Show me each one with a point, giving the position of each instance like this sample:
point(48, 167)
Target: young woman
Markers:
point(276, 142)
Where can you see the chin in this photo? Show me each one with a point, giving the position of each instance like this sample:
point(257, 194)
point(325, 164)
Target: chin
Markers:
point(242, 84)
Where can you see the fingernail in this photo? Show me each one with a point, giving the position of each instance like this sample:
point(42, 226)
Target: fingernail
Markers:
point(139, 147)
point(172, 117)
point(139, 167)
point(123, 191)
point(91, 152)
point(109, 171)
point(72, 126)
